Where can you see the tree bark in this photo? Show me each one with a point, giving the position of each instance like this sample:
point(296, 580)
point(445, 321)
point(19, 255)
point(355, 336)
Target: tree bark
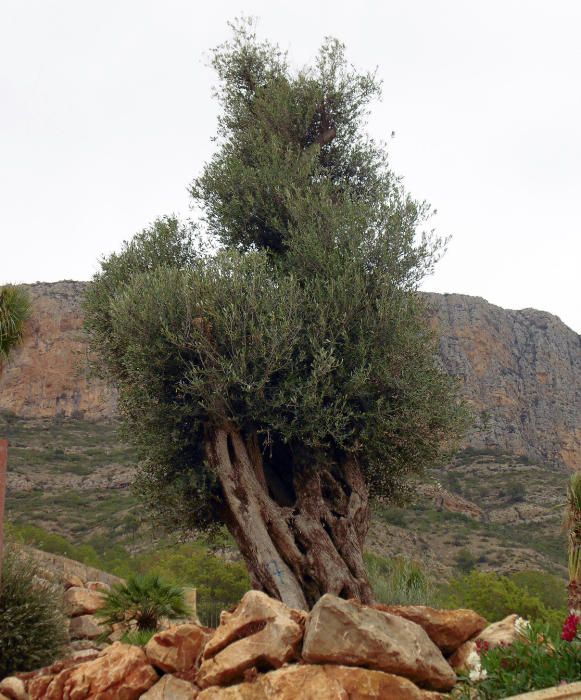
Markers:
point(300, 530)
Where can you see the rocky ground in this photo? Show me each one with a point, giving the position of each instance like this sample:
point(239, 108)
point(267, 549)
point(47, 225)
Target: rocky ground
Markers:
point(262, 649)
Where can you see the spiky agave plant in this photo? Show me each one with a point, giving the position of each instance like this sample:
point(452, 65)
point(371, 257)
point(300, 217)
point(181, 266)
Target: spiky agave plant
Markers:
point(14, 311)
point(144, 600)
point(572, 526)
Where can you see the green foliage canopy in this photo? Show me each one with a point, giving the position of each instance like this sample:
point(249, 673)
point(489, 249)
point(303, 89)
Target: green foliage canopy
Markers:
point(300, 323)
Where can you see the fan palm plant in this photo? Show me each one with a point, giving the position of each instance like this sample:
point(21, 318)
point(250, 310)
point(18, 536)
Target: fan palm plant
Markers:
point(573, 528)
point(143, 600)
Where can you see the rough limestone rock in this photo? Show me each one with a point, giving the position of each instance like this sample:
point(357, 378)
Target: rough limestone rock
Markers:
point(348, 633)
point(72, 581)
point(82, 601)
point(176, 649)
point(523, 368)
point(100, 586)
point(171, 688)
point(448, 629)
point(459, 659)
point(13, 688)
point(121, 672)
point(261, 632)
point(502, 632)
point(322, 683)
point(85, 627)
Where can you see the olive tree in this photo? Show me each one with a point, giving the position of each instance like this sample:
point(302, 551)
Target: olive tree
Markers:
point(274, 361)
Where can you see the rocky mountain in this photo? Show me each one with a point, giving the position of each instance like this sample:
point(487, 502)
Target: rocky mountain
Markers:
point(49, 374)
point(519, 370)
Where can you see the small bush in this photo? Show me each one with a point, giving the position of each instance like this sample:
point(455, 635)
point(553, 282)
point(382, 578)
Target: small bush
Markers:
point(541, 660)
point(398, 581)
point(465, 560)
point(32, 624)
point(494, 597)
point(143, 600)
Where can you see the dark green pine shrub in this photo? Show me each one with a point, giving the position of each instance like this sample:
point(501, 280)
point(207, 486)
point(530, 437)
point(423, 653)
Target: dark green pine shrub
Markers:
point(32, 623)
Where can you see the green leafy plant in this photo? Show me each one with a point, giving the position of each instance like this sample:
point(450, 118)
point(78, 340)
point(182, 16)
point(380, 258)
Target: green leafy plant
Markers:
point(539, 660)
point(290, 363)
point(572, 526)
point(494, 597)
point(32, 624)
point(143, 600)
point(398, 581)
point(138, 638)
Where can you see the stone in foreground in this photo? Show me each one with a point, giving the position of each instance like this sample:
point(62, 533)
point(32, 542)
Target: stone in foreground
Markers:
point(322, 683)
point(448, 629)
point(348, 633)
point(171, 688)
point(13, 688)
point(82, 601)
point(85, 627)
point(261, 633)
point(177, 648)
point(501, 632)
point(121, 672)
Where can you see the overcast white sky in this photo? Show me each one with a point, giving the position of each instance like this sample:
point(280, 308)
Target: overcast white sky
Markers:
point(106, 116)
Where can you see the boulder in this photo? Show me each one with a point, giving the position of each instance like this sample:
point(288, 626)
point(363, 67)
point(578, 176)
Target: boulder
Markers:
point(322, 683)
point(82, 601)
point(13, 688)
point(38, 685)
point(98, 586)
point(121, 672)
point(459, 659)
point(448, 629)
point(499, 633)
point(351, 634)
point(176, 649)
point(85, 627)
point(260, 633)
point(72, 581)
point(171, 688)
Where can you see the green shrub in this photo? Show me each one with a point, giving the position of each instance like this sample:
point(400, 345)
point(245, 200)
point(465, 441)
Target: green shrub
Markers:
point(398, 581)
point(465, 560)
point(143, 600)
point(494, 597)
point(191, 564)
point(32, 624)
point(550, 589)
point(138, 638)
point(540, 660)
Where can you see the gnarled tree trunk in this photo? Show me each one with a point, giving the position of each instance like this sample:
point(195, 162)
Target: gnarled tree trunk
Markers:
point(300, 530)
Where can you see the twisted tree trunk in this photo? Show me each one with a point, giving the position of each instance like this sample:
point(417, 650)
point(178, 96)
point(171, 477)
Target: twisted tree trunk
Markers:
point(300, 530)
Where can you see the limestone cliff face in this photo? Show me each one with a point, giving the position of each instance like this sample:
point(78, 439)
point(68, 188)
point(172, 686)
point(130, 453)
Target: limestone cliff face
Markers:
point(48, 375)
point(520, 370)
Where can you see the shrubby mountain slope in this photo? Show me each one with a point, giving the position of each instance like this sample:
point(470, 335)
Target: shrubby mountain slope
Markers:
point(496, 506)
